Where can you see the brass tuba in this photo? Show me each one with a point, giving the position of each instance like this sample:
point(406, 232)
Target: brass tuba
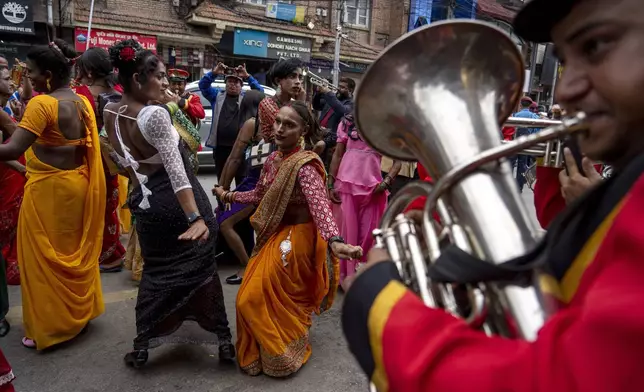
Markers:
point(438, 95)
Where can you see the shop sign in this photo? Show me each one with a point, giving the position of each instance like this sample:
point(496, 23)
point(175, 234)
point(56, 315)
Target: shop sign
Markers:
point(288, 12)
point(345, 66)
point(17, 17)
point(107, 38)
point(271, 45)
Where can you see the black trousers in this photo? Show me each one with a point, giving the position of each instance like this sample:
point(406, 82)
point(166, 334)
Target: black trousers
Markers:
point(220, 155)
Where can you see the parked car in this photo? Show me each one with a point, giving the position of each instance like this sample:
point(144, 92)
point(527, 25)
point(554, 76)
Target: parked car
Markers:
point(205, 156)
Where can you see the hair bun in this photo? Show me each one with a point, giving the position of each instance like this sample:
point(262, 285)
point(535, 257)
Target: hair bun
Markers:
point(66, 49)
point(123, 54)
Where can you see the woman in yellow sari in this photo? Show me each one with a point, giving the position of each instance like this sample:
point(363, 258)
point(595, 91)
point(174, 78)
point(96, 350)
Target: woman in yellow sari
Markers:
point(293, 271)
point(60, 228)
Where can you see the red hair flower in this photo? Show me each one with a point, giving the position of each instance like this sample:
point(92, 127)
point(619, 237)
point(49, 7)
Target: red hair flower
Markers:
point(127, 53)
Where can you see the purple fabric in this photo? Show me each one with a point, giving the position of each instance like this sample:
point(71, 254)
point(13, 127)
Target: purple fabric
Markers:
point(248, 184)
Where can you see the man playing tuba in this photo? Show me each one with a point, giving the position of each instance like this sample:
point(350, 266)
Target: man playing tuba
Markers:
point(594, 339)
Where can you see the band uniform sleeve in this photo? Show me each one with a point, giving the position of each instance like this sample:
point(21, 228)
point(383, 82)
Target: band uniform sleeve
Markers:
point(160, 133)
point(38, 115)
point(314, 191)
point(594, 344)
point(194, 108)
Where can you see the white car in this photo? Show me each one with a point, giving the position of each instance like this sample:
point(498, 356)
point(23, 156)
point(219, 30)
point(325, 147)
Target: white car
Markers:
point(205, 156)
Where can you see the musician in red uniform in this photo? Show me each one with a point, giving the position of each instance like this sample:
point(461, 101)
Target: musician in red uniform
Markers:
point(189, 103)
point(592, 257)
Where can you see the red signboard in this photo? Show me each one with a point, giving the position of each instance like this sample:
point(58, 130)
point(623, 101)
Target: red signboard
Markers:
point(106, 38)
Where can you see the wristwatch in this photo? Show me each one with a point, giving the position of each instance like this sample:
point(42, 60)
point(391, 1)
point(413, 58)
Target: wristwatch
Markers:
point(192, 218)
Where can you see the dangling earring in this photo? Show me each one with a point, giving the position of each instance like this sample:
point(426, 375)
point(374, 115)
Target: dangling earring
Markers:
point(301, 142)
point(48, 86)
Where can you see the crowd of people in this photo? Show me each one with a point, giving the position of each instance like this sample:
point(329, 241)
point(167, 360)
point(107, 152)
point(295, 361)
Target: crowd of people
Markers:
point(105, 144)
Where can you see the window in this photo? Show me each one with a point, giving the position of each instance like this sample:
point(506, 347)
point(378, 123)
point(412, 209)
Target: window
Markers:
point(356, 12)
point(263, 2)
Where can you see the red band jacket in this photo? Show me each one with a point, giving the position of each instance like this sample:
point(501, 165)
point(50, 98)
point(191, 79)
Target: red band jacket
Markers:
point(591, 280)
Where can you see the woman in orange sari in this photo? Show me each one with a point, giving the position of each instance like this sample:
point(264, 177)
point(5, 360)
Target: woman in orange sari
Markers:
point(60, 227)
point(293, 271)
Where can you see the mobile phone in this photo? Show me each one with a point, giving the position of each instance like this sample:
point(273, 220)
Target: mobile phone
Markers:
point(573, 145)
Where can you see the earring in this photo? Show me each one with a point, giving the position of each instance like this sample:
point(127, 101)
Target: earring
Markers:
point(301, 142)
point(138, 85)
point(48, 86)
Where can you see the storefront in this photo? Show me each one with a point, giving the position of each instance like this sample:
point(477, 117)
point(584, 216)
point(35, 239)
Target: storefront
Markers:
point(18, 31)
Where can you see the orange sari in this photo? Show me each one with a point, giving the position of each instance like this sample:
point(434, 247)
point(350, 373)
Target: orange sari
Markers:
point(275, 301)
point(60, 230)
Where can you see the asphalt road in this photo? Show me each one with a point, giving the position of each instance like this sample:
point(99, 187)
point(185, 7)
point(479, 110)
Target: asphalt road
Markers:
point(94, 361)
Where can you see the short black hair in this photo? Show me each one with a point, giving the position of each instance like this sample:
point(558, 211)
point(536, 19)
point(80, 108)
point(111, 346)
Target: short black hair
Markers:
point(145, 62)
point(282, 69)
point(97, 62)
point(350, 83)
point(57, 58)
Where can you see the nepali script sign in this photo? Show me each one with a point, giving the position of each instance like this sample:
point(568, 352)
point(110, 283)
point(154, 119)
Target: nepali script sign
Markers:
point(106, 38)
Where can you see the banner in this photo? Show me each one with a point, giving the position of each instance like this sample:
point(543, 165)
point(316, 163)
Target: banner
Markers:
point(287, 12)
point(17, 17)
point(106, 38)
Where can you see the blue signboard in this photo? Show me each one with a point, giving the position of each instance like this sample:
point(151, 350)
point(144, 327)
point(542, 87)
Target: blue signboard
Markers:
point(251, 43)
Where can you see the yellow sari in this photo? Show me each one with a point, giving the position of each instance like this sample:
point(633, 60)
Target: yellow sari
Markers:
point(60, 231)
point(275, 302)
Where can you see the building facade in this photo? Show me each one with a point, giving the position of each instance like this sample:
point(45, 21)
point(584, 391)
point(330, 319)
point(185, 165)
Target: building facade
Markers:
point(196, 34)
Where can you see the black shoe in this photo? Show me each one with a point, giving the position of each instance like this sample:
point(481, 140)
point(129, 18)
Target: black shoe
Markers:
point(227, 352)
point(234, 280)
point(136, 359)
point(4, 328)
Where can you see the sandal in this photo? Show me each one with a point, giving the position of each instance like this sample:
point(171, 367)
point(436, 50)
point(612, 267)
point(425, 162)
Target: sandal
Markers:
point(108, 270)
point(28, 343)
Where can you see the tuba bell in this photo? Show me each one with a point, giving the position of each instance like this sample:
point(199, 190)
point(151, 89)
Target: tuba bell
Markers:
point(439, 95)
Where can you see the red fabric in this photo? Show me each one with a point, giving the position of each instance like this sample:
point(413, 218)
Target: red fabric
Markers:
point(118, 88)
point(548, 201)
point(593, 345)
point(5, 372)
point(419, 203)
point(508, 133)
point(325, 119)
point(11, 192)
point(112, 249)
point(195, 109)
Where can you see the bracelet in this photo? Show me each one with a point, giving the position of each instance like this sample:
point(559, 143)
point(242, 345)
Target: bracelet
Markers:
point(336, 238)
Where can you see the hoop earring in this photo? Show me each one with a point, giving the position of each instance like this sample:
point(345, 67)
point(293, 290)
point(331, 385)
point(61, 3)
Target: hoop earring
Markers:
point(48, 86)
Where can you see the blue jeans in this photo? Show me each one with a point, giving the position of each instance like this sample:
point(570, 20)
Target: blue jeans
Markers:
point(522, 162)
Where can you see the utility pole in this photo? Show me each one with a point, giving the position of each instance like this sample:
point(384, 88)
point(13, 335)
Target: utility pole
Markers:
point(533, 66)
point(338, 39)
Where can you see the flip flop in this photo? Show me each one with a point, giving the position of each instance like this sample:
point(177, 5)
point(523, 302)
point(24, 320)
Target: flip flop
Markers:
point(28, 343)
point(116, 268)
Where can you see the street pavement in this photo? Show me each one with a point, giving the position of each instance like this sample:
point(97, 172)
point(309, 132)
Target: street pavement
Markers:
point(94, 361)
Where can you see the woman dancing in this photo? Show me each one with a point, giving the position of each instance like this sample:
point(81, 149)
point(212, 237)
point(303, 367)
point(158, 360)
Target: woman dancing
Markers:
point(293, 271)
point(94, 74)
point(174, 220)
point(358, 190)
point(232, 214)
point(60, 227)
